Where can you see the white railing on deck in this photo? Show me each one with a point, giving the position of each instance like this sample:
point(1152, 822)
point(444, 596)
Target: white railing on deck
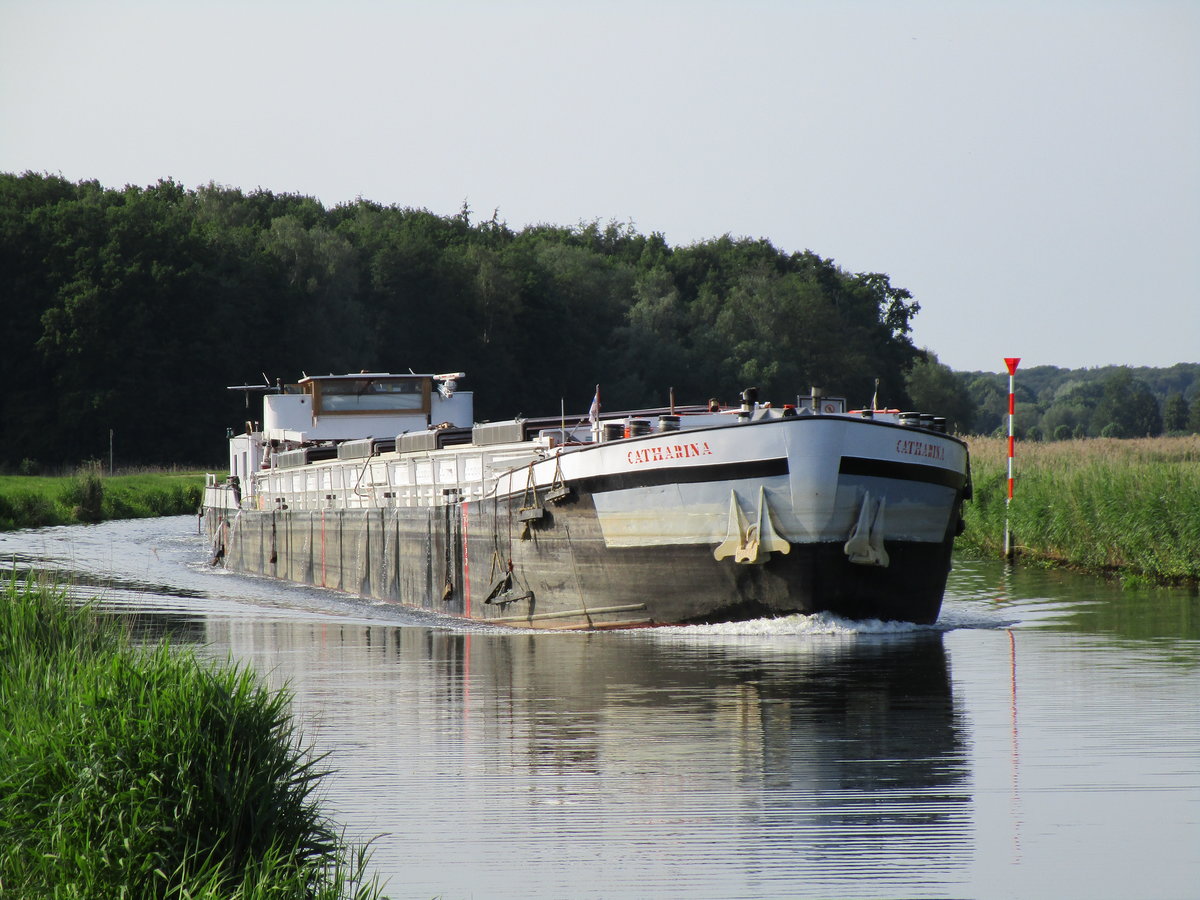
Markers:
point(403, 482)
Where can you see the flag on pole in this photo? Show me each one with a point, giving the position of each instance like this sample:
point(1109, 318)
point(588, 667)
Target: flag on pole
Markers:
point(594, 412)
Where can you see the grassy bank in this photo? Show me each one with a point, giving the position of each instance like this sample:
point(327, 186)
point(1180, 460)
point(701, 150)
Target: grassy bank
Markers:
point(1130, 507)
point(28, 501)
point(130, 772)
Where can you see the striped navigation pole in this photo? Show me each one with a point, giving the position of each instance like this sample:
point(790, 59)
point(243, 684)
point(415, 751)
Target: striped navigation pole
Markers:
point(1012, 362)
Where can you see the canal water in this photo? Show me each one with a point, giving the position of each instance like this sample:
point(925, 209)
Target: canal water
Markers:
point(1042, 740)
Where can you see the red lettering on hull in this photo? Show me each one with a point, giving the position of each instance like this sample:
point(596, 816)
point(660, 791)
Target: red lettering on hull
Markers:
point(920, 448)
point(667, 453)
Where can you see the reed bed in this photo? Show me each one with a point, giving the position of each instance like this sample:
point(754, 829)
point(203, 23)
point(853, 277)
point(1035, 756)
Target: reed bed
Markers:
point(130, 772)
point(88, 496)
point(1130, 507)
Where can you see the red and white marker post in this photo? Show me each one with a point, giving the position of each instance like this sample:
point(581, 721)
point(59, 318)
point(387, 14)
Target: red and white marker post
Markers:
point(1012, 362)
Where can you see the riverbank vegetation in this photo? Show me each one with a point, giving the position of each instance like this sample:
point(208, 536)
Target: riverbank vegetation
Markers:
point(1128, 507)
point(87, 496)
point(145, 772)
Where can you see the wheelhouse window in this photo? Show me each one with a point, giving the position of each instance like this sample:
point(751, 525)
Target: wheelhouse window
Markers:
point(373, 396)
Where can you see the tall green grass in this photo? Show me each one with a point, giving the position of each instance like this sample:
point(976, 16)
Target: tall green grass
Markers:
point(1126, 506)
point(132, 772)
point(89, 496)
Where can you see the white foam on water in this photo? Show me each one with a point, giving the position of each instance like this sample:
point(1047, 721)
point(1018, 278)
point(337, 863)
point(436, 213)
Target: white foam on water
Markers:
point(797, 624)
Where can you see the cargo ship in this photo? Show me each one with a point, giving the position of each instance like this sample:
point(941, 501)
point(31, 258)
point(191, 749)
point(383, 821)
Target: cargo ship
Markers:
point(384, 486)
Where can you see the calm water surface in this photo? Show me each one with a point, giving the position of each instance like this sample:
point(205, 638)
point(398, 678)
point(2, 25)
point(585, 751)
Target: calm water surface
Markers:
point(1043, 740)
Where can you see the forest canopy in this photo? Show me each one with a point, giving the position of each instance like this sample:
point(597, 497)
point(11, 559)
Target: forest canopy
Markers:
point(1054, 403)
point(130, 310)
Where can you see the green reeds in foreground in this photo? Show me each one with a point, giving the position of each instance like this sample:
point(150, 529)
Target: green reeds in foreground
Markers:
point(1130, 507)
point(147, 773)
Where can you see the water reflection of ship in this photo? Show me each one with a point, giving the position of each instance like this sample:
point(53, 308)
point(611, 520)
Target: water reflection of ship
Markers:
point(862, 726)
point(831, 714)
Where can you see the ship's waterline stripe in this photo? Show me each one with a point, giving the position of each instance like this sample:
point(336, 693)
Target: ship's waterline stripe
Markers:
point(600, 611)
point(603, 626)
point(902, 471)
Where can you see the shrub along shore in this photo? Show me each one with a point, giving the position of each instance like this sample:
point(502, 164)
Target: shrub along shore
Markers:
point(29, 501)
point(131, 771)
point(1102, 505)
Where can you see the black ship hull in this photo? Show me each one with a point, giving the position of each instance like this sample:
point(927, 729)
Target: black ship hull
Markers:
point(482, 561)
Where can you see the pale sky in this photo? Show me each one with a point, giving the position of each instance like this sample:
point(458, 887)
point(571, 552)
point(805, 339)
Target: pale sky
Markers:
point(1029, 170)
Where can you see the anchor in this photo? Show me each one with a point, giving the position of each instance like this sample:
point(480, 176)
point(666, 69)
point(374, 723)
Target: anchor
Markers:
point(500, 587)
point(865, 544)
point(746, 543)
point(502, 592)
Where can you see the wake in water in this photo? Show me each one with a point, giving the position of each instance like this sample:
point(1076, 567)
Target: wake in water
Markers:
point(797, 624)
point(956, 615)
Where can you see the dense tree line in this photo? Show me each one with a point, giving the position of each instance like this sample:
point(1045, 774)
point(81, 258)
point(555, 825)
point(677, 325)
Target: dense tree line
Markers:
point(131, 310)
